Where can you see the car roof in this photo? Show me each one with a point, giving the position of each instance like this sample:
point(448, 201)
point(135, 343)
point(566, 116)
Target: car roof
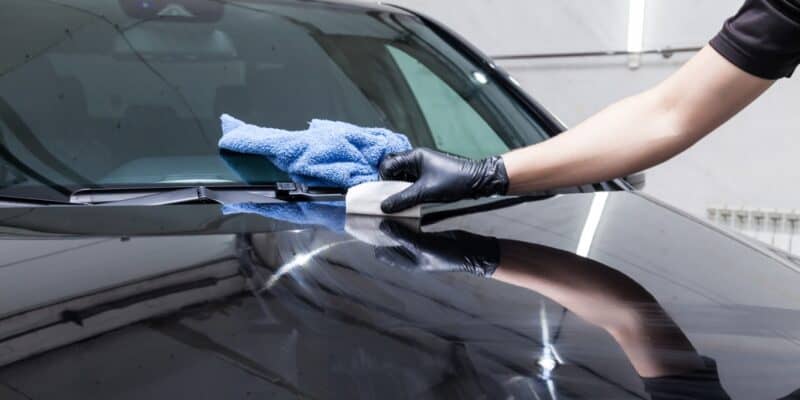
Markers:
point(346, 5)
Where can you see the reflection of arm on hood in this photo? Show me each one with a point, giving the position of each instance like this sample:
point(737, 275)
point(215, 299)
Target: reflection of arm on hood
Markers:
point(657, 348)
point(606, 298)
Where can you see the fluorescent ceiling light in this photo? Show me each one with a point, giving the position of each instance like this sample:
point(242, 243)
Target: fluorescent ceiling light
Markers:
point(635, 25)
point(300, 260)
point(635, 32)
point(592, 221)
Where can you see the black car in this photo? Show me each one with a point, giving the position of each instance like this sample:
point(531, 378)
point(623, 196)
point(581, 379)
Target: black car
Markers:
point(139, 262)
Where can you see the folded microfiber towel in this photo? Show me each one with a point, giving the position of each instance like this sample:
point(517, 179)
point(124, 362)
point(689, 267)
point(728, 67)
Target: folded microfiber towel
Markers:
point(328, 153)
point(328, 214)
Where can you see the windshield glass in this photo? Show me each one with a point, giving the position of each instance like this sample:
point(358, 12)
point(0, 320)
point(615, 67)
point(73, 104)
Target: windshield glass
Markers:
point(108, 93)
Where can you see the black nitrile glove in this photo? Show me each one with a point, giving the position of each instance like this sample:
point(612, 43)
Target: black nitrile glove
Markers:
point(440, 177)
point(453, 251)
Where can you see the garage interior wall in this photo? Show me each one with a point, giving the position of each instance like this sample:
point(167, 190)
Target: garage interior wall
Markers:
point(751, 162)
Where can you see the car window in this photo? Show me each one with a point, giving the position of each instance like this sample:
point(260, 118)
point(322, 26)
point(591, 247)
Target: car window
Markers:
point(104, 93)
point(455, 126)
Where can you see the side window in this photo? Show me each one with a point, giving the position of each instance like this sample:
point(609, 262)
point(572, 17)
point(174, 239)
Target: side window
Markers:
point(455, 126)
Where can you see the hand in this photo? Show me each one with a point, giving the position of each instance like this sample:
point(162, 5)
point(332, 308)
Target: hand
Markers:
point(440, 177)
point(453, 251)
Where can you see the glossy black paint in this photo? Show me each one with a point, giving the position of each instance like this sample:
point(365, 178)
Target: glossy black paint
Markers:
point(183, 301)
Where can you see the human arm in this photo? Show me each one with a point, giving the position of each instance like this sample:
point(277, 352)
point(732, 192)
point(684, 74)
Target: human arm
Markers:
point(600, 295)
point(640, 131)
point(633, 134)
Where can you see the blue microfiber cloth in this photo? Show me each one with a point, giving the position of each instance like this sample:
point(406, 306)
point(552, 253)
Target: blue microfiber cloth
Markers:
point(328, 214)
point(328, 153)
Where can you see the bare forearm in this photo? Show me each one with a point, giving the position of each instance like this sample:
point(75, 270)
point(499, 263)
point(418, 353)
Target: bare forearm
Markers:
point(608, 145)
point(640, 131)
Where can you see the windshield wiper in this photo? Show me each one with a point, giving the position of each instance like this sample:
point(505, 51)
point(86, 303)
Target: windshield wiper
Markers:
point(277, 193)
point(25, 201)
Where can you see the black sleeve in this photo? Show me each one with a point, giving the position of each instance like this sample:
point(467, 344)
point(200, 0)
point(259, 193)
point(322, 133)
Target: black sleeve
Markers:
point(763, 38)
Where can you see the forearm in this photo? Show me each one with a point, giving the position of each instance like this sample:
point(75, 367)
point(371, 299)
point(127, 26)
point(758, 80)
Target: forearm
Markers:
point(640, 131)
point(627, 137)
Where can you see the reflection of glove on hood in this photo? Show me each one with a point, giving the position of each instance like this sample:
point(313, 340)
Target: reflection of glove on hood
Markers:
point(328, 153)
point(329, 214)
point(453, 251)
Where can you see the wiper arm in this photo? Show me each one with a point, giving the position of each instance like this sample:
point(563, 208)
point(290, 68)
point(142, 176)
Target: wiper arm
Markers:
point(278, 193)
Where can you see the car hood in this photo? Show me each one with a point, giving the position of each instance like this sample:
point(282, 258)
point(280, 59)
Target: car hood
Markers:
point(212, 301)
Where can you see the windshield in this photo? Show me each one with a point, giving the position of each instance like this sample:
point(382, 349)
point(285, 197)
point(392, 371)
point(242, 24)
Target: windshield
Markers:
point(109, 93)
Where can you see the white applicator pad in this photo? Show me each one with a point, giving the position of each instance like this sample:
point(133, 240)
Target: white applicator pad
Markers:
point(366, 199)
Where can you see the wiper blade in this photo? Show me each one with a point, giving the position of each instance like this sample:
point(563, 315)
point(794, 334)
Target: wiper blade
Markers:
point(278, 193)
point(24, 201)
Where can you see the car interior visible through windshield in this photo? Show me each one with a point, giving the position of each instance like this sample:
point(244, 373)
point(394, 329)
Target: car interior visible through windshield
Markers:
point(124, 93)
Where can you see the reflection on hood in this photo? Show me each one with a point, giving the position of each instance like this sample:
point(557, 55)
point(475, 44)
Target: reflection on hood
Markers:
point(329, 214)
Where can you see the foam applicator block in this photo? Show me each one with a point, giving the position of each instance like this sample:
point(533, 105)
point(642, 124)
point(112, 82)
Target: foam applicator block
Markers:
point(366, 199)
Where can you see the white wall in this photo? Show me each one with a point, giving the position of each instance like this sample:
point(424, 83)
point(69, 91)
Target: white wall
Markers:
point(751, 161)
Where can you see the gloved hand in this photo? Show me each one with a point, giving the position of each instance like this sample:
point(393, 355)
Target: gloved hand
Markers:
point(453, 251)
point(440, 177)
